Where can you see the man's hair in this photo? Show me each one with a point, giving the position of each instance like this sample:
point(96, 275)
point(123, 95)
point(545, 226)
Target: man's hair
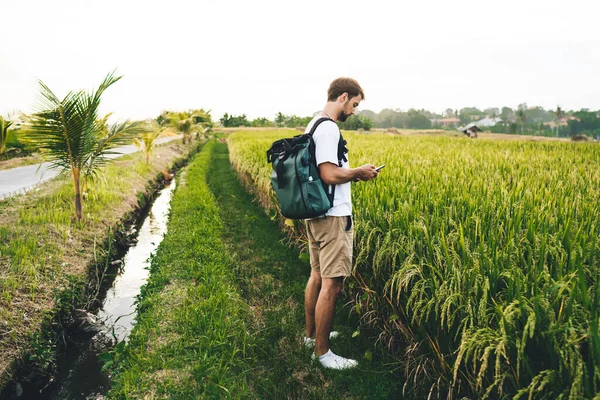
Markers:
point(344, 85)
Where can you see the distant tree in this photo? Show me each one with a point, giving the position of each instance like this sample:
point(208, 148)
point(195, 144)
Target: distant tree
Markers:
point(387, 118)
point(293, 121)
point(492, 112)
point(185, 127)
point(262, 123)
point(392, 118)
point(584, 122)
point(522, 117)
point(280, 119)
point(163, 119)
point(500, 127)
point(416, 120)
point(558, 116)
point(234, 121)
point(469, 114)
point(356, 122)
point(201, 116)
point(188, 123)
point(372, 116)
point(506, 114)
point(537, 114)
point(183, 123)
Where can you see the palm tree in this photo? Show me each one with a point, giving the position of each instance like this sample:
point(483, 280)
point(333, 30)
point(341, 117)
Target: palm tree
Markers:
point(201, 131)
point(5, 123)
point(146, 143)
point(280, 119)
point(72, 136)
point(187, 123)
point(147, 139)
point(185, 126)
point(559, 116)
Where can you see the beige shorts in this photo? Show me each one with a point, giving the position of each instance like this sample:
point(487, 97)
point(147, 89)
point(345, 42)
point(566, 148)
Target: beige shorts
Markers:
point(330, 241)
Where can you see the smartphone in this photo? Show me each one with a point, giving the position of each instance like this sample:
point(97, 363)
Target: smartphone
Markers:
point(379, 168)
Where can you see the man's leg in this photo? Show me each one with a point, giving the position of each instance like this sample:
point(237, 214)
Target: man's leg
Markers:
point(324, 311)
point(313, 287)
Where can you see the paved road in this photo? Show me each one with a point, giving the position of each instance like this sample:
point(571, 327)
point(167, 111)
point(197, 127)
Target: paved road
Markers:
point(22, 179)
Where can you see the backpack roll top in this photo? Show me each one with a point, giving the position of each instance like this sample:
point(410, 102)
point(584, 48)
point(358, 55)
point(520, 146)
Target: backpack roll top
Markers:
point(295, 177)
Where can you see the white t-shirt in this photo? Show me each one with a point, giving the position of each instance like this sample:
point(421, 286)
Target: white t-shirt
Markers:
point(326, 140)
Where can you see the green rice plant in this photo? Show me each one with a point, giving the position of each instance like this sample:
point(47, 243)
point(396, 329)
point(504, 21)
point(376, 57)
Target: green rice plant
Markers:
point(480, 259)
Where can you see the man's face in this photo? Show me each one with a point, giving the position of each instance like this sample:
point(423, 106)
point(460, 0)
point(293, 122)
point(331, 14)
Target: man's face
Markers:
point(349, 107)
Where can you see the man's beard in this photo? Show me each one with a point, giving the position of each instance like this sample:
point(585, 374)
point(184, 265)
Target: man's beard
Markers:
point(343, 116)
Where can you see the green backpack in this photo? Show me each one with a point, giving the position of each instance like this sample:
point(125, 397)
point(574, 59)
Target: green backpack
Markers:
point(295, 177)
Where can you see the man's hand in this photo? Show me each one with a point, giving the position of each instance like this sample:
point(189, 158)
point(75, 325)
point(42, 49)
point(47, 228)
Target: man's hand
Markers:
point(331, 174)
point(367, 172)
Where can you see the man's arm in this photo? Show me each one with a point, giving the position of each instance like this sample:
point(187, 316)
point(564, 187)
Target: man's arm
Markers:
point(331, 174)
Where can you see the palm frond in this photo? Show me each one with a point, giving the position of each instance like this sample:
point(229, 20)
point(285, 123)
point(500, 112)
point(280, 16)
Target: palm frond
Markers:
point(118, 134)
point(53, 129)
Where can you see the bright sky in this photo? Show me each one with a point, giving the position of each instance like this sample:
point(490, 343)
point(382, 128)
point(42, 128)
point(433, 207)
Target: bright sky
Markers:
point(260, 57)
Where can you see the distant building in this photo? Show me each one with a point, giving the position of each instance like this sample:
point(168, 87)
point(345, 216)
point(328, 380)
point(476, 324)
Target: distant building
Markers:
point(470, 130)
point(474, 127)
point(448, 122)
point(487, 122)
point(562, 122)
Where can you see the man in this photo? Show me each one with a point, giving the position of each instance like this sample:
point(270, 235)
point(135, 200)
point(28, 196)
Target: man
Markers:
point(331, 237)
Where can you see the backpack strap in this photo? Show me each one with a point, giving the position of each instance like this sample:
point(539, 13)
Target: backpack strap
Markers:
point(317, 123)
point(342, 150)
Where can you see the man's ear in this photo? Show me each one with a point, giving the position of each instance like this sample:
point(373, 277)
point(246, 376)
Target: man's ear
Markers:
point(343, 97)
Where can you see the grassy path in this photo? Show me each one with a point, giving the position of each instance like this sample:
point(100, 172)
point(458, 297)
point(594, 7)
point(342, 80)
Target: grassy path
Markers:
point(272, 277)
point(222, 314)
point(189, 341)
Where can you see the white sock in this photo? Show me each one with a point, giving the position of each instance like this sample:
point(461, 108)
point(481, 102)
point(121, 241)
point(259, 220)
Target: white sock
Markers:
point(310, 342)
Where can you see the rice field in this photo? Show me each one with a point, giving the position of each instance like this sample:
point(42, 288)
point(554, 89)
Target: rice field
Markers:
point(476, 261)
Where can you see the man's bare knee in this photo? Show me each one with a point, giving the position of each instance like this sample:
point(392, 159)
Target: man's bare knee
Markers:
point(333, 285)
point(315, 279)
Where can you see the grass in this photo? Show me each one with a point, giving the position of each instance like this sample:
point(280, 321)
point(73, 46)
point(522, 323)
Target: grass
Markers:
point(45, 255)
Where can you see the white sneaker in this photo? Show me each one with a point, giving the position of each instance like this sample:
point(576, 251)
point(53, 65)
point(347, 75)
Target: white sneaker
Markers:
point(310, 342)
point(333, 361)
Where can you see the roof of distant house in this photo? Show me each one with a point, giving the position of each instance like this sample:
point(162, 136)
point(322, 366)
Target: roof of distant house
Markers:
point(470, 127)
point(449, 120)
point(486, 122)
